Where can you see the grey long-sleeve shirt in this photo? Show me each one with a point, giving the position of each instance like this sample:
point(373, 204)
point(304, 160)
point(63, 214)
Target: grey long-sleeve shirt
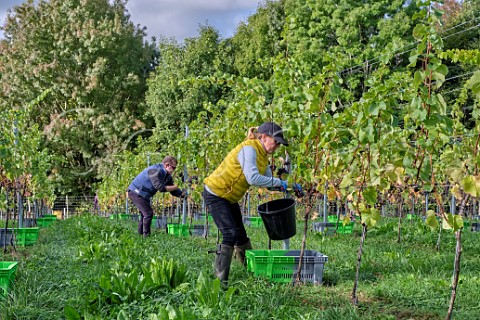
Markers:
point(247, 157)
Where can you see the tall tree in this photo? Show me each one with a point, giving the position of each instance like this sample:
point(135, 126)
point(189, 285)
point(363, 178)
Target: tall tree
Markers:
point(95, 61)
point(354, 31)
point(460, 30)
point(173, 98)
point(259, 39)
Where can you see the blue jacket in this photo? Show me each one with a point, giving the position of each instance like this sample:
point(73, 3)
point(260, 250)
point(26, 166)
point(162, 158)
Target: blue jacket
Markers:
point(151, 180)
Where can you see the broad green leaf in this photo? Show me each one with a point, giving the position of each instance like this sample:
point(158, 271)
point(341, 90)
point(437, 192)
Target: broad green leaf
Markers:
point(448, 222)
point(457, 175)
point(419, 115)
point(346, 182)
point(418, 78)
point(370, 195)
point(413, 60)
point(442, 101)
point(370, 217)
point(373, 109)
point(431, 220)
point(420, 14)
point(456, 191)
point(471, 185)
point(331, 194)
point(362, 137)
point(71, 313)
point(457, 222)
point(419, 31)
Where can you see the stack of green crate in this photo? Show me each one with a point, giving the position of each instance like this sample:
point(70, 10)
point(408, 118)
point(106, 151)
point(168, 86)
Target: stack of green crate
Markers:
point(179, 230)
point(411, 216)
point(332, 218)
point(345, 229)
point(120, 216)
point(256, 222)
point(46, 220)
point(282, 265)
point(7, 276)
point(26, 236)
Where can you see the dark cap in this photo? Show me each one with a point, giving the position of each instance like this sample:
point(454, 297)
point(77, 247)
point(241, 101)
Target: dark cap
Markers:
point(273, 130)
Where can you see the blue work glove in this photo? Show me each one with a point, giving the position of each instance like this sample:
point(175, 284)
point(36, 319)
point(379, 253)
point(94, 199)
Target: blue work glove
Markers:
point(184, 193)
point(284, 186)
point(298, 190)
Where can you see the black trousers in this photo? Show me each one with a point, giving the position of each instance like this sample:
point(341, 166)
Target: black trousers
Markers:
point(146, 213)
point(228, 218)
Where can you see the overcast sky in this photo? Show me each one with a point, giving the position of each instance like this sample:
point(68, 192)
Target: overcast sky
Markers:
point(178, 18)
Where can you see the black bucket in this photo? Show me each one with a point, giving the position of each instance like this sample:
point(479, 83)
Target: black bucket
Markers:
point(279, 218)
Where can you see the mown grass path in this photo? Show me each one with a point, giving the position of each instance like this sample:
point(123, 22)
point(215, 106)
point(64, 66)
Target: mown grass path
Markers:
point(94, 268)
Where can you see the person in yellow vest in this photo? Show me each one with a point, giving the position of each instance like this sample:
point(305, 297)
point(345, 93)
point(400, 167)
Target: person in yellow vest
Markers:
point(245, 165)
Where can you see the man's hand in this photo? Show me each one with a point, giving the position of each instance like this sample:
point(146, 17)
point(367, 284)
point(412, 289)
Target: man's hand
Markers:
point(184, 193)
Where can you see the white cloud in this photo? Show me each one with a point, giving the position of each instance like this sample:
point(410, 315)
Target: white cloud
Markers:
point(178, 18)
point(181, 18)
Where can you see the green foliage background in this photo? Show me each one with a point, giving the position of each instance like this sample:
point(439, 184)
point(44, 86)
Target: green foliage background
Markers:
point(345, 79)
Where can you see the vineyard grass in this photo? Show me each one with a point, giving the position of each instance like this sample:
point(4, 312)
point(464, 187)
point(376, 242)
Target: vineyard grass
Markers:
point(406, 280)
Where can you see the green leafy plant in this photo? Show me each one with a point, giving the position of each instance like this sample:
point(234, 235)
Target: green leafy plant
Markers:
point(211, 295)
point(127, 283)
point(171, 313)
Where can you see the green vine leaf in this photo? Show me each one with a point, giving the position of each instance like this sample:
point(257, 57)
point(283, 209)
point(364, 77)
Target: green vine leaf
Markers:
point(370, 195)
point(370, 217)
point(452, 222)
point(471, 185)
point(346, 182)
point(71, 313)
point(431, 220)
point(419, 31)
point(474, 84)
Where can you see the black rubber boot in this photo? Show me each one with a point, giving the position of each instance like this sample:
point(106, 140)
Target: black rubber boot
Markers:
point(239, 252)
point(222, 262)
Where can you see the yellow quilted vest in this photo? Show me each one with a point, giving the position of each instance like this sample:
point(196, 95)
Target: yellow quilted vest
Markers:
point(228, 180)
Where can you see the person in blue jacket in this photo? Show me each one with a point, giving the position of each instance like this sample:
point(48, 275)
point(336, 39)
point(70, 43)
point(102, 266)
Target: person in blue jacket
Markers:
point(157, 177)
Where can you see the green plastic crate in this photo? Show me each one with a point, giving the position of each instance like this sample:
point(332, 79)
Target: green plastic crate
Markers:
point(281, 265)
point(330, 227)
point(179, 230)
point(120, 216)
point(26, 236)
point(253, 221)
point(45, 221)
point(345, 229)
point(332, 218)
point(7, 276)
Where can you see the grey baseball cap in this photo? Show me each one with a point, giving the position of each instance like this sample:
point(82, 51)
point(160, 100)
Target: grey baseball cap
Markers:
point(273, 130)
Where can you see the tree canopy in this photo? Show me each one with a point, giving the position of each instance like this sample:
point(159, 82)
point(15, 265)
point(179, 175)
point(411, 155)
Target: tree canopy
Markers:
point(109, 87)
point(95, 62)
